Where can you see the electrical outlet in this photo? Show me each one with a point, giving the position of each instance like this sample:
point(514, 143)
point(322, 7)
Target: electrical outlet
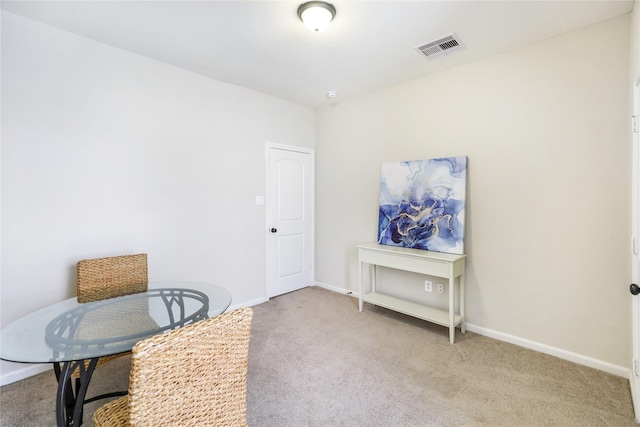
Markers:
point(440, 288)
point(428, 285)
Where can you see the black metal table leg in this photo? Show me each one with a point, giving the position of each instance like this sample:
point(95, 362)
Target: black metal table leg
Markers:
point(65, 399)
point(70, 403)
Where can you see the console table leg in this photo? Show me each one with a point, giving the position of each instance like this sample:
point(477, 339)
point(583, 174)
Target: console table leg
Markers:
point(452, 309)
point(463, 325)
point(373, 278)
point(361, 266)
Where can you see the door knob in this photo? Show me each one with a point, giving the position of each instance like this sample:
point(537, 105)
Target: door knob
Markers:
point(634, 289)
point(274, 230)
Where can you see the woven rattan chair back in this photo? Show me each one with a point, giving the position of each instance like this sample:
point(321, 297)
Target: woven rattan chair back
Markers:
point(110, 277)
point(193, 377)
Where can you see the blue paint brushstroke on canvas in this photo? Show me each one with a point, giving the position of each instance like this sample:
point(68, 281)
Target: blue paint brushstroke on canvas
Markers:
point(422, 204)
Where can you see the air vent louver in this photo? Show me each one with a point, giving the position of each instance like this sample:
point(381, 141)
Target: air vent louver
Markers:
point(441, 47)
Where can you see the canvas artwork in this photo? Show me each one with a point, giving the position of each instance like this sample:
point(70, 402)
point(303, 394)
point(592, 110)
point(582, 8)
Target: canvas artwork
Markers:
point(422, 204)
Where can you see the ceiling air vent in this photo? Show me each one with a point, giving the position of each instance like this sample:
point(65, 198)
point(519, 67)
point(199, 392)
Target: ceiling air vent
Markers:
point(441, 47)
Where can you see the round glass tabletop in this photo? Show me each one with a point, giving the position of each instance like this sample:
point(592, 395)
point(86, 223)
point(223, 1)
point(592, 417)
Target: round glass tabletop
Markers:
point(71, 331)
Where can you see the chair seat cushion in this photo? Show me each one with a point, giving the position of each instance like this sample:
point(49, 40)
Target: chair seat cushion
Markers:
point(113, 414)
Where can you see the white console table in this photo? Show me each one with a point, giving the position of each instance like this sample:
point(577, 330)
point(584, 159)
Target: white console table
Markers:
point(437, 264)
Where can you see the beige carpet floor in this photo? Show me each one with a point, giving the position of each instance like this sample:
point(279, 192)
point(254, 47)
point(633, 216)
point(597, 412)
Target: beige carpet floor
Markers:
point(316, 361)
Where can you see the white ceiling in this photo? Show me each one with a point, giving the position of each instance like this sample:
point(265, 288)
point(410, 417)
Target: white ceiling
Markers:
point(262, 45)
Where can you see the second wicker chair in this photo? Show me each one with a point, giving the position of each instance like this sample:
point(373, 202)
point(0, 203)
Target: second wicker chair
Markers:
point(194, 376)
point(102, 278)
point(110, 277)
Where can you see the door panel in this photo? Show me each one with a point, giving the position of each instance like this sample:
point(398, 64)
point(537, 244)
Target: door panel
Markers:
point(290, 255)
point(289, 191)
point(289, 212)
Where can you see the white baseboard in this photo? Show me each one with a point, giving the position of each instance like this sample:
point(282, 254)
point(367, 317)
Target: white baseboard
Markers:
point(335, 289)
point(28, 370)
point(580, 359)
point(248, 303)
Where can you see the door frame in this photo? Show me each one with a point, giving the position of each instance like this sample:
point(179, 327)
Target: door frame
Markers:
point(267, 208)
point(634, 374)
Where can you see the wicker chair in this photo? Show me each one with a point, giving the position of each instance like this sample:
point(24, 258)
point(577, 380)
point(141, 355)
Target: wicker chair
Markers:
point(102, 278)
point(110, 277)
point(193, 376)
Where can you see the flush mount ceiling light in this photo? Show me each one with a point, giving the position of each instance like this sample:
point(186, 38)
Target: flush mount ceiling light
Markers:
point(316, 15)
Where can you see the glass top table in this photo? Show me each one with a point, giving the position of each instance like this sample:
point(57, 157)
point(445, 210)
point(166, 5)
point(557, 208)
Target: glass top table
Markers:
point(71, 331)
point(73, 336)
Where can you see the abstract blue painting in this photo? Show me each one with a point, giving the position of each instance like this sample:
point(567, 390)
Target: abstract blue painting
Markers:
point(422, 204)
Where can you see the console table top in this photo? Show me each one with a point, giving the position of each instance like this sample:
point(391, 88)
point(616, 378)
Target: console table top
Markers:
point(412, 252)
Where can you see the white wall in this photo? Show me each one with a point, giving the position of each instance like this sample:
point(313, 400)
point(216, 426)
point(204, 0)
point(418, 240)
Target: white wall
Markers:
point(635, 42)
point(546, 131)
point(106, 153)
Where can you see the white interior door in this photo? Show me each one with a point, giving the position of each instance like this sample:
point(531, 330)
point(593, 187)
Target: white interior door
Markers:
point(635, 257)
point(289, 219)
